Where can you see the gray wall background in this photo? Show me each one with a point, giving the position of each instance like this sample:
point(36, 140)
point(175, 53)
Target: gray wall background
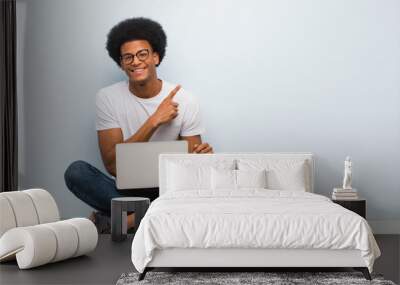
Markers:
point(319, 76)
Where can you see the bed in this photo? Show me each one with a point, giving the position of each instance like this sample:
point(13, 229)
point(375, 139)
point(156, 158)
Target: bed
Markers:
point(246, 210)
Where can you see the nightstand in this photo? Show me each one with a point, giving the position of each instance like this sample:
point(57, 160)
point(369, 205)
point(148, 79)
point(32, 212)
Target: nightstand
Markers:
point(358, 206)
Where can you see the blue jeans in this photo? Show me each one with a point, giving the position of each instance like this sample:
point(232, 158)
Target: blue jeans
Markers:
point(97, 189)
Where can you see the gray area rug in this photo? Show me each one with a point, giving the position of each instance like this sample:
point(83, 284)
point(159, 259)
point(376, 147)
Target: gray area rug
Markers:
point(231, 278)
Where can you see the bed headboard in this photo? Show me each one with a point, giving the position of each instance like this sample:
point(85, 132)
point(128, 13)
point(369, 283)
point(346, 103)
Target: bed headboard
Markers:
point(165, 158)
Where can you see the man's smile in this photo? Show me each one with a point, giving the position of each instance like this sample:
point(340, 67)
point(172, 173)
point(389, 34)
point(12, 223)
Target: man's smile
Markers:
point(137, 71)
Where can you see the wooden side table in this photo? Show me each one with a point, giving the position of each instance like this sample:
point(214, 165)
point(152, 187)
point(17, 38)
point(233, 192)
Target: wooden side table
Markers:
point(358, 206)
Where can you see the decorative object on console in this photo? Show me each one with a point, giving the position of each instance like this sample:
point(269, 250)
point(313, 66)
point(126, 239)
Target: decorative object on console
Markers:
point(347, 179)
point(31, 231)
point(346, 192)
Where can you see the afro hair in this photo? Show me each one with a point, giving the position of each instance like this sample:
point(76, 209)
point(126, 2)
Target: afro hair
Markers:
point(136, 29)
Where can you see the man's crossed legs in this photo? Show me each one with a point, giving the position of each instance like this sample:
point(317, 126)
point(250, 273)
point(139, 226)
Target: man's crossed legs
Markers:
point(97, 189)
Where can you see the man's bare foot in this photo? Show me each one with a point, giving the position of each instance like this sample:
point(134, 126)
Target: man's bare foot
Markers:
point(101, 221)
point(131, 221)
point(103, 224)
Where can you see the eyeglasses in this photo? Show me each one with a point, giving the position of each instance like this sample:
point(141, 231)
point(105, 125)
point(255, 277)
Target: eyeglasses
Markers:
point(141, 55)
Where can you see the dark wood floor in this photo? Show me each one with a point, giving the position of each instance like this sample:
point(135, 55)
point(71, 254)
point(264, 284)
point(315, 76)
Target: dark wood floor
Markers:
point(102, 266)
point(110, 260)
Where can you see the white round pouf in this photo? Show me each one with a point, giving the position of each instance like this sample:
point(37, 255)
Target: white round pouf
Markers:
point(40, 244)
point(87, 234)
point(7, 218)
point(67, 240)
point(31, 233)
point(32, 246)
point(46, 207)
point(23, 208)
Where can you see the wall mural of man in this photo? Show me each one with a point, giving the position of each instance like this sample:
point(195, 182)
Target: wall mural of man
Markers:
point(140, 109)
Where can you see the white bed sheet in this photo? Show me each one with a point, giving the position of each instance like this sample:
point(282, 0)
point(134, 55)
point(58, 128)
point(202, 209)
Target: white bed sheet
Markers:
point(250, 218)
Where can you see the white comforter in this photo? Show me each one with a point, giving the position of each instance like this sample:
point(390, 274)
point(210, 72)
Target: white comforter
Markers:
point(250, 219)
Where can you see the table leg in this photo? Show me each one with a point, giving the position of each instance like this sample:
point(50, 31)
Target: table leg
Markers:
point(117, 218)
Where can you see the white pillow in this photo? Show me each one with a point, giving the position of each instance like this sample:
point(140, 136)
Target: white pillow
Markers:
point(282, 174)
point(190, 174)
point(181, 177)
point(251, 178)
point(237, 179)
point(223, 179)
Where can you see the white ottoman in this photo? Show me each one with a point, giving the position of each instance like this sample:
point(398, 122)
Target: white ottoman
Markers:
point(31, 232)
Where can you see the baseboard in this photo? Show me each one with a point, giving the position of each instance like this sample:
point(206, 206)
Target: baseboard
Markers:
point(385, 227)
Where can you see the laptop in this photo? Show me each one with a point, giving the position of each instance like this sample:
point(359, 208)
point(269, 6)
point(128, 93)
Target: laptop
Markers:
point(137, 163)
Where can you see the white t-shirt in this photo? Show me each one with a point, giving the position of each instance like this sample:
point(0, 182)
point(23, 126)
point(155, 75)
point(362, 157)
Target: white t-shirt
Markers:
point(117, 107)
